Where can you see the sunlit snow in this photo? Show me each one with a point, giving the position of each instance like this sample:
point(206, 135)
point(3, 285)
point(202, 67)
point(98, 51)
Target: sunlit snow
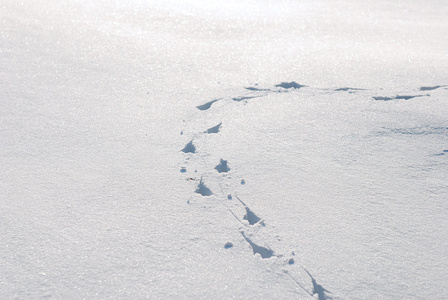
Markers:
point(224, 149)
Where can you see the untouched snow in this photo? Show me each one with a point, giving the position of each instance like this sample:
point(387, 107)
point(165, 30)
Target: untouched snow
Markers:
point(218, 149)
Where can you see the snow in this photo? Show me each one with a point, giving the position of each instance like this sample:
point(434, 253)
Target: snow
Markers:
point(226, 149)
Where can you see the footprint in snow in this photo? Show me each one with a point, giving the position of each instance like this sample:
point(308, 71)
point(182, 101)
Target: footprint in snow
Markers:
point(222, 167)
point(202, 189)
point(250, 216)
point(214, 129)
point(189, 148)
point(317, 288)
point(263, 251)
point(228, 245)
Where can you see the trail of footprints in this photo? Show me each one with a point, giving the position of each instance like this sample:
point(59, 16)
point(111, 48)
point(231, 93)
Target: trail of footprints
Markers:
point(250, 219)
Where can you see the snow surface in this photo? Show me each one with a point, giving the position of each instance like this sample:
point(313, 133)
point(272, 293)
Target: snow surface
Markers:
point(218, 149)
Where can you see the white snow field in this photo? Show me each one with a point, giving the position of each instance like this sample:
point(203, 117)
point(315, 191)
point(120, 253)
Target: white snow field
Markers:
point(223, 149)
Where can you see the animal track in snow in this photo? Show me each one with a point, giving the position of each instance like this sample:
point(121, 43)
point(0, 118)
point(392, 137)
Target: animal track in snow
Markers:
point(263, 251)
point(222, 167)
point(251, 217)
point(256, 92)
point(252, 92)
point(214, 129)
